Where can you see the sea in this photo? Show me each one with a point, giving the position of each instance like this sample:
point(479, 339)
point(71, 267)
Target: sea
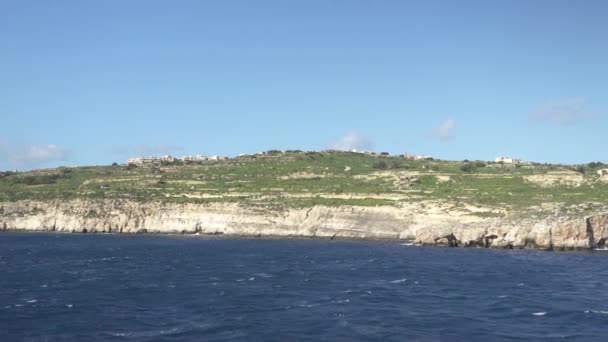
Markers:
point(94, 287)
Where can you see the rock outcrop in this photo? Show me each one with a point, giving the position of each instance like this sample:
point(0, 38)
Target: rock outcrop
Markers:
point(426, 227)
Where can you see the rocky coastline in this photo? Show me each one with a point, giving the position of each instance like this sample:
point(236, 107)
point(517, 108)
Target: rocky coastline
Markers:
point(436, 228)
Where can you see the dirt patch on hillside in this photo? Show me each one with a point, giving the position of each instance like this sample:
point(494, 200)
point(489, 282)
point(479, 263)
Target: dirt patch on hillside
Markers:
point(303, 175)
point(551, 179)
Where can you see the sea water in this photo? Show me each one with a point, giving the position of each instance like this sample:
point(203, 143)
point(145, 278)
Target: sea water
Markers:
point(86, 287)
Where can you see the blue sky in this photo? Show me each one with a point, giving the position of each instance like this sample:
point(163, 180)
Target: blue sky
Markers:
point(93, 82)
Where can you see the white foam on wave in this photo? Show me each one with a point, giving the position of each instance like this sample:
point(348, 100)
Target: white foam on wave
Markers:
point(503, 296)
point(541, 313)
point(602, 312)
point(69, 306)
point(305, 304)
point(398, 281)
point(263, 275)
point(154, 334)
point(341, 301)
point(521, 284)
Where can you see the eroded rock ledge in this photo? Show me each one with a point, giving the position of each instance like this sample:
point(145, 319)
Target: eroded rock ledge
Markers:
point(437, 228)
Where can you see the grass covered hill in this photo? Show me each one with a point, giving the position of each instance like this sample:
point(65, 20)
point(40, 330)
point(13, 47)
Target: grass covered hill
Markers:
point(302, 179)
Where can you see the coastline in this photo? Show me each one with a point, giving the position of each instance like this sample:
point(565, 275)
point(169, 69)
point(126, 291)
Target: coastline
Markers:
point(405, 224)
point(407, 243)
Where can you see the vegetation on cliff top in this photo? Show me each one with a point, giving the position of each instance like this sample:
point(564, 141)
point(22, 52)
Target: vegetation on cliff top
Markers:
point(302, 179)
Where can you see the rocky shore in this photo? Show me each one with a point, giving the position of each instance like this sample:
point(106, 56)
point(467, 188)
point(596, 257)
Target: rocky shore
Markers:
point(405, 223)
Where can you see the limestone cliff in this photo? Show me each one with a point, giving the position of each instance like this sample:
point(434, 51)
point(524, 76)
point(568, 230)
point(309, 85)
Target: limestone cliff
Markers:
point(427, 227)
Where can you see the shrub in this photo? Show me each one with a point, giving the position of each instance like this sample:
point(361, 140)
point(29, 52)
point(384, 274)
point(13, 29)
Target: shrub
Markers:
point(37, 180)
point(468, 167)
point(594, 165)
point(398, 165)
point(380, 165)
point(6, 173)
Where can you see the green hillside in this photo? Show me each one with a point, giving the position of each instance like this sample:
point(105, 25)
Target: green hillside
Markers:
point(300, 179)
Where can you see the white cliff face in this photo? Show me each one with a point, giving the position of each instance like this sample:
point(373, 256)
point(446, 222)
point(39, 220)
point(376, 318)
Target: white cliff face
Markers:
point(428, 227)
point(133, 217)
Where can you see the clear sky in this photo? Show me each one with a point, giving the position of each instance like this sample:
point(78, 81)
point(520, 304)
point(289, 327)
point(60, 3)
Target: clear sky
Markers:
point(93, 82)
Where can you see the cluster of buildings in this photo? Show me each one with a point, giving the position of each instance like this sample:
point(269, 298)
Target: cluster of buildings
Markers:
point(200, 158)
point(509, 160)
point(407, 156)
point(416, 157)
point(354, 150)
point(169, 159)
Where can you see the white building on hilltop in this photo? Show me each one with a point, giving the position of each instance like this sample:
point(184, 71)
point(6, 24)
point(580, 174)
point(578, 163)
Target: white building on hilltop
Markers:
point(415, 157)
point(167, 159)
point(508, 160)
point(170, 160)
point(143, 161)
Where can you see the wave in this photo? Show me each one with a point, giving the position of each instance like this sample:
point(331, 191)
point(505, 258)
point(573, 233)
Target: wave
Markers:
point(602, 312)
point(398, 281)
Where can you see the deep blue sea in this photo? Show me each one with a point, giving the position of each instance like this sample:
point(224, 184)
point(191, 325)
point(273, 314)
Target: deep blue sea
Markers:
point(86, 287)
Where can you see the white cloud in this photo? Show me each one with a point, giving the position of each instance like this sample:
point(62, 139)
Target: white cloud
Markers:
point(563, 111)
point(352, 140)
point(31, 155)
point(147, 150)
point(443, 131)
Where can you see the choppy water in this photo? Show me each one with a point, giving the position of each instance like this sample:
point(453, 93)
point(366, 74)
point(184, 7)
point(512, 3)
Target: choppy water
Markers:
point(59, 287)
